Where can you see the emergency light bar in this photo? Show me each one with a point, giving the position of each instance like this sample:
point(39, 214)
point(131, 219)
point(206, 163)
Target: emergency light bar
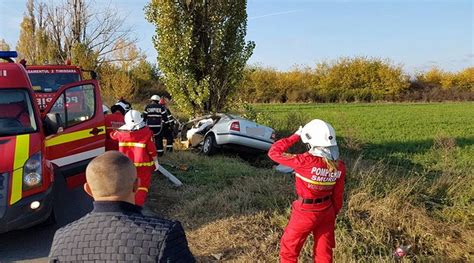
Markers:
point(8, 54)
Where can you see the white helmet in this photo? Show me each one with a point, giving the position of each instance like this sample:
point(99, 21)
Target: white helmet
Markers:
point(155, 98)
point(125, 105)
point(321, 138)
point(318, 133)
point(133, 121)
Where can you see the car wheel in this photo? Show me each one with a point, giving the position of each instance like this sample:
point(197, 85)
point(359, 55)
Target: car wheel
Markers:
point(208, 147)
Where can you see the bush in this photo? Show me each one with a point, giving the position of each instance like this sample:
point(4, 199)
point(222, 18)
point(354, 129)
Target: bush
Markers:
point(357, 79)
point(436, 78)
point(366, 75)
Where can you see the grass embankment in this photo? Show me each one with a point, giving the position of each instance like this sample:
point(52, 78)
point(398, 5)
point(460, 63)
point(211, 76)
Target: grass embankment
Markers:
point(417, 194)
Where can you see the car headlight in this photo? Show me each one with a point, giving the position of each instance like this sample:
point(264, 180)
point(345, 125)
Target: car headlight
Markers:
point(32, 172)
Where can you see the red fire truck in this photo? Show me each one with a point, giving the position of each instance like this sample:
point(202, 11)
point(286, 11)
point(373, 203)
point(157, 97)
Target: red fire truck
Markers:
point(47, 79)
point(38, 149)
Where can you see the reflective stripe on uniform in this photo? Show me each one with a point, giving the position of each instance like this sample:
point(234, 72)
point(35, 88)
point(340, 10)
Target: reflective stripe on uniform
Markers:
point(22, 153)
point(314, 182)
point(144, 164)
point(132, 144)
point(73, 136)
point(152, 126)
point(142, 189)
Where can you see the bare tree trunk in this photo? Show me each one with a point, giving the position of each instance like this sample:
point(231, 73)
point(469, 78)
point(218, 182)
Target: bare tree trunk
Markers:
point(77, 19)
point(75, 22)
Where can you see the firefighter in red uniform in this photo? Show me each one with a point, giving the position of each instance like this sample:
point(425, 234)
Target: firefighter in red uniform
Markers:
point(113, 122)
point(136, 141)
point(319, 185)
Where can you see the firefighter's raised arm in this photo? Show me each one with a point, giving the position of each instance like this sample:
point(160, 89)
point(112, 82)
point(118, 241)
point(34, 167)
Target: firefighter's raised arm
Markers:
point(278, 151)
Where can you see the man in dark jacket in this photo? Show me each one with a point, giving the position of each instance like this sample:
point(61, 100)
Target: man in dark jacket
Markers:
point(116, 230)
point(156, 117)
point(168, 128)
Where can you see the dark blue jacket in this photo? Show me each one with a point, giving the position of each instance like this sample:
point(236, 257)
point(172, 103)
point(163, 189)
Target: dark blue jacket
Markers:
point(118, 232)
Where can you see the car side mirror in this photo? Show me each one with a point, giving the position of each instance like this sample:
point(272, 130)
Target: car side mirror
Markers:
point(53, 123)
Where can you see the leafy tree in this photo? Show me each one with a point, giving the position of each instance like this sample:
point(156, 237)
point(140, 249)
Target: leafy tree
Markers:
point(84, 57)
point(35, 44)
point(4, 45)
point(129, 75)
point(146, 80)
point(116, 83)
point(202, 49)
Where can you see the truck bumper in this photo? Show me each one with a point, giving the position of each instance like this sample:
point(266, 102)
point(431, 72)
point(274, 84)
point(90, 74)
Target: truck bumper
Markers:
point(20, 215)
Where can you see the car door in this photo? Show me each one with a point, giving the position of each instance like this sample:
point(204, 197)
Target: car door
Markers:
point(82, 133)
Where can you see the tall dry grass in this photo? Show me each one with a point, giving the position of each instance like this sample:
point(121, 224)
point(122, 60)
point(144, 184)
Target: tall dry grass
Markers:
point(234, 212)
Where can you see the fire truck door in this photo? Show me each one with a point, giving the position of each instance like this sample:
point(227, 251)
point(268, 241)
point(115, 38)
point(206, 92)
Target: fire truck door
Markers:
point(81, 135)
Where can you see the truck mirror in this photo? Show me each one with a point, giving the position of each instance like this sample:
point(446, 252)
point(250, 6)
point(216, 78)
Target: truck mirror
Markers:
point(53, 123)
point(93, 75)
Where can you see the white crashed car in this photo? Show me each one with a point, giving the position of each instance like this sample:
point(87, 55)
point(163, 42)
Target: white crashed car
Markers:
point(212, 132)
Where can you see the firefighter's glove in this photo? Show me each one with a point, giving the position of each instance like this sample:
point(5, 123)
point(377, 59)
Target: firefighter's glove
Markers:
point(299, 131)
point(157, 165)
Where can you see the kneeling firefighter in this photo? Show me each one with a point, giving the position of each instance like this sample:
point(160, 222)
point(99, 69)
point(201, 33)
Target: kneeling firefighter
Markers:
point(319, 184)
point(136, 141)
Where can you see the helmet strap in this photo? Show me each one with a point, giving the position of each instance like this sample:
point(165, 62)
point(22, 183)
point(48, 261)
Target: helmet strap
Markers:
point(321, 152)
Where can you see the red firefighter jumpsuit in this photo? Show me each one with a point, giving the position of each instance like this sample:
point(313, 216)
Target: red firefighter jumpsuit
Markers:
point(320, 195)
point(140, 148)
point(112, 122)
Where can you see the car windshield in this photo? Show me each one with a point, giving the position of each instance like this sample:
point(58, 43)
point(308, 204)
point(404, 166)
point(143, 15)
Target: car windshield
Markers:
point(16, 112)
point(51, 82)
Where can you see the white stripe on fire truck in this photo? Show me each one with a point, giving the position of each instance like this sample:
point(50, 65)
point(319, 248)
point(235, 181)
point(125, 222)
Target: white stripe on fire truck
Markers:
point(78, 157)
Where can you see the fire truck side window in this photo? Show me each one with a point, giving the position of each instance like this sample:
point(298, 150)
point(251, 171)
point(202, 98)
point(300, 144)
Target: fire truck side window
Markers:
point(16, 112)
point(58, 107)
point(80, 105)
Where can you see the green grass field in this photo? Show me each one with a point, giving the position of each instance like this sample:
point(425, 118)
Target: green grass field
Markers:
point(410, 182)
point(404, 134)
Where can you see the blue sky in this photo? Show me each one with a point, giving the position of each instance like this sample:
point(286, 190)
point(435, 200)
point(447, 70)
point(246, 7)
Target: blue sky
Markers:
point(417, 34)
